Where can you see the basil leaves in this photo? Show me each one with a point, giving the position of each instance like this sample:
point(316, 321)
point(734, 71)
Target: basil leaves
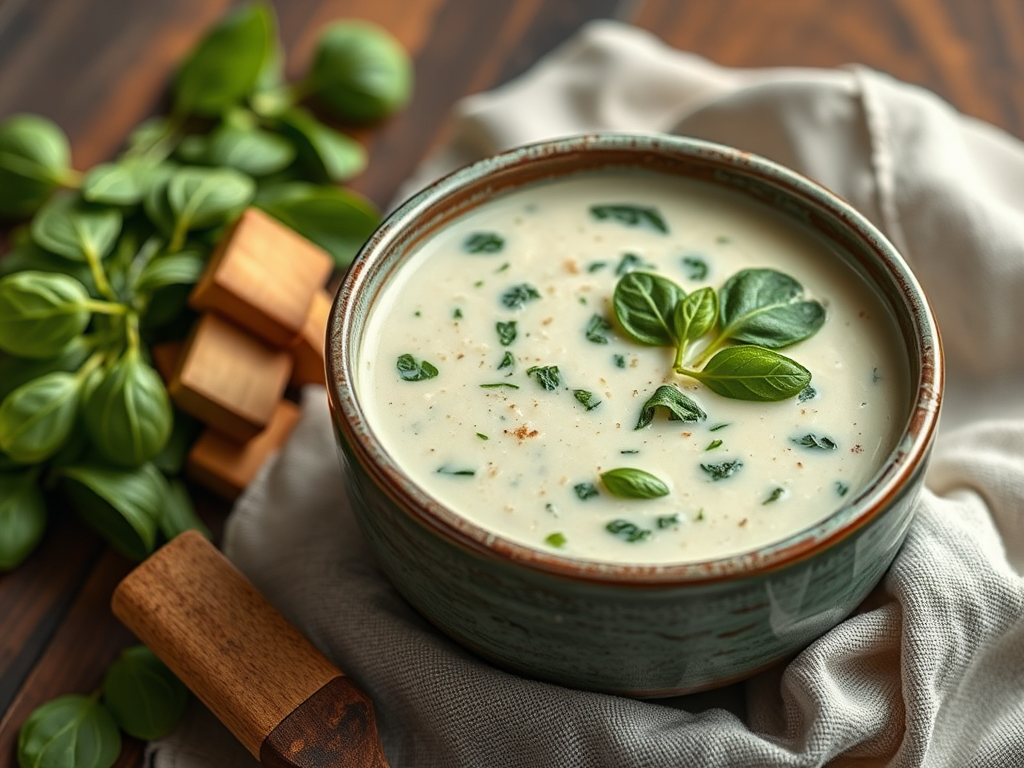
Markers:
point(759, 309)
point(143, 695)
point(630, 216)
point(411, 370)
point(680, 407)
point(631, 483)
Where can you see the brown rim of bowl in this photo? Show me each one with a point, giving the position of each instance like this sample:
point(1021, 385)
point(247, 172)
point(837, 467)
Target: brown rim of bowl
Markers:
point(868, 251)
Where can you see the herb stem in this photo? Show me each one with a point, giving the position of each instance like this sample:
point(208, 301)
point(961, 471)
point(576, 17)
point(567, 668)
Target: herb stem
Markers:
point(131, 324)
point(106, 307)
point(178, 237)
point(680, 352)
point(70, 178)
point(99, 276)
point(716, 344)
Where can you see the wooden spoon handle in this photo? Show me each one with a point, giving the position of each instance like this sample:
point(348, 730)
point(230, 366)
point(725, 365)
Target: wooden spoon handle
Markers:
point(286, 703)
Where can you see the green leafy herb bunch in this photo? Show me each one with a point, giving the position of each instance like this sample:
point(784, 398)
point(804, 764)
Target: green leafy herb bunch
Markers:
point(101, 268)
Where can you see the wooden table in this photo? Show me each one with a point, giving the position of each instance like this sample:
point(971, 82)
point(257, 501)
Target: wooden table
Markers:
point(99, 67)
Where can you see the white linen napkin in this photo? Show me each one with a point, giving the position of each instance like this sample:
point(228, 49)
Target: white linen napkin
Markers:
point(930, 671)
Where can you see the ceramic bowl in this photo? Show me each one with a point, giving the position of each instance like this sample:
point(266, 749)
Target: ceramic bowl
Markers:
point(645, 631)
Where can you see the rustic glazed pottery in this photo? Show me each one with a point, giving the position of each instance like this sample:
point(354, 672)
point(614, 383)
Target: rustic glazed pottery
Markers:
point(631, 629)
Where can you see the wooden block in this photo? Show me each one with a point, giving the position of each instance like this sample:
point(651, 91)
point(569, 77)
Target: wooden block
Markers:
point(165, 358)
point(229, 379)
point(225, 466)
point(309, 349)
point(263, 276)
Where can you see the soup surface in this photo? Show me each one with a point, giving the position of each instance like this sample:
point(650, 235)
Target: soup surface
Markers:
point(457, 381)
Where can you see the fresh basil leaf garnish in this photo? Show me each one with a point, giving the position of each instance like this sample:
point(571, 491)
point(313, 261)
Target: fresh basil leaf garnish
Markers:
point(517, 296)
point(506, 332)
point(630, 262)
point(546, 375)
point(619, 360)
point(807, 393)
point(507, 361)
point(645, 307)
point(713, 445)
point(717, 427)
point(752, 373)
point(482, 436)
point(596, 266)
point(587, 399)
point(631, 216)
point(586, 491)
point(774, 496)
point(631, 483)
point(667, 521)
point(410, 370)
point(767, 308)
point(680, 407)
point(695, 267)
point(821, 443)
point(597, 330)
point(723, 470)
point(627, 531)
point(483, 242)
point(556, 540)
point(695, 315)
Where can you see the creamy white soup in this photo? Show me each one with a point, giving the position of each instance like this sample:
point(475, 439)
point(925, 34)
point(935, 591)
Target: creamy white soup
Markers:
point(496, 373)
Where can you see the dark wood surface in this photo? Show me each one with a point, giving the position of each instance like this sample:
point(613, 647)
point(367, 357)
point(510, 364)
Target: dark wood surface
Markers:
point(98, 67)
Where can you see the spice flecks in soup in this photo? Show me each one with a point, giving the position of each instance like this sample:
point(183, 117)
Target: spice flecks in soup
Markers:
point(546, 424)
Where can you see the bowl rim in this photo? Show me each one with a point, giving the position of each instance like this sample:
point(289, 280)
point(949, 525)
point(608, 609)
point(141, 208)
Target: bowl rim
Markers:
point(895, 475)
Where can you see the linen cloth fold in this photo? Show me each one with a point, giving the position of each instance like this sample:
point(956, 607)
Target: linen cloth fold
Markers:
point(929, 671)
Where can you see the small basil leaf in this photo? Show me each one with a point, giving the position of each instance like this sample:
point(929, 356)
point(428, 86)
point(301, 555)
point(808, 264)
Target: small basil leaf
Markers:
point(518, 296)
point(630, 483)
point(695, 315)
point(69, 732)
point(753, 373)
point(597, 330)
point(178, 515)
point(121, 183)
point(154, 199)
point(35, 158)
point(631, 216)
point(15, 371)
point(766, 307)
point(821, 443)
point(630, 262)
point(22, 517)
point(506, 332)
point(338, 220)
point(722, 471)
point(76, 230)
point(128, 416)
point(360, 72)
point(695, 267)
point(123, 505)
point(546, 375)
point(202, 197)
point(253, 151)
point(679, 406)
point(483, 242)
point(645, 307)
point(37, 418)
point(182, 268)
point(327, 154)
point(226, 64)
point(587, 399)
point(143, 695)
point(40, 313)
point(627, 531)
point(410, 370)
point(27, 256)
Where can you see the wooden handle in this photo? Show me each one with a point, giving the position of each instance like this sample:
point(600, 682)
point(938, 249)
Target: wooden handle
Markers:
point(286, 703)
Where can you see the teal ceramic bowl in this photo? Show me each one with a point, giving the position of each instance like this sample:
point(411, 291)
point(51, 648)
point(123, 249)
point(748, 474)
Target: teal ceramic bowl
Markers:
point(644, 631)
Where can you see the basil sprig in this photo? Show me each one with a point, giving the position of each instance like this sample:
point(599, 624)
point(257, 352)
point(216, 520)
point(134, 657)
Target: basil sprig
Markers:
point(756, 312)
point(631, 483)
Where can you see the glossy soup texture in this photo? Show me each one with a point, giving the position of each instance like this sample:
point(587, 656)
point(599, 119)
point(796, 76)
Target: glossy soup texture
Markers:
point(525, 281)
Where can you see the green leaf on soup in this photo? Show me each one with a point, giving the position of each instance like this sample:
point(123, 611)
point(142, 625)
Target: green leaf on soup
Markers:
point(518, 296)
point(546, 375)
point(695, 267)
point(37, 418)
point(41, 313)
point(123, 505)
point(816, 442)
point(128, 416)
point(338, 220)
point(411, 370)
point(631, 483)
point(597, 330)
point(506, 332)
point(360, 71)
point(76, 230)
point(767, 308)
point(586, 398)
point(752, 373)
point(225, 65)
point(325, 153)
point(22, 517)
point(35, 159)
point(483, 242)
point(695, 315)
point(680, 407)
point(70, 731)
point(631, 216)
point(645, 307)
point(722, 471)
point(143, 695)
point(627, 531)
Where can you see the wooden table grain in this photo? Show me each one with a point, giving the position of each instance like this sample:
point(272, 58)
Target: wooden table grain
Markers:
point(99, 67)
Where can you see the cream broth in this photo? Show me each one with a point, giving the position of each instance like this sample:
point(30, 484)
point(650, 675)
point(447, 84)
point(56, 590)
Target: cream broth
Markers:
point(490, 442)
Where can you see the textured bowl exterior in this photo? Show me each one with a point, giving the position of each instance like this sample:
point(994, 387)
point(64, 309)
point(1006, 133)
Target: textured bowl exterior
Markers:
point(631, 629)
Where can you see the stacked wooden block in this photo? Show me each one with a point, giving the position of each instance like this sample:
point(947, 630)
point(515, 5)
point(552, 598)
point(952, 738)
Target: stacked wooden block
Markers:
point(262, 329)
